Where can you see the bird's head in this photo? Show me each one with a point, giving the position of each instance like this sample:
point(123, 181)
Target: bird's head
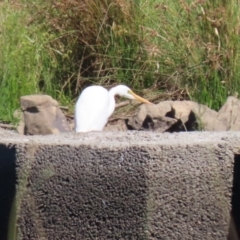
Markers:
point(126, 92)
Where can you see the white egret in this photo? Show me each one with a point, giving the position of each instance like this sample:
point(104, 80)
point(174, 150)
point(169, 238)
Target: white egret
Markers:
point(96, 104)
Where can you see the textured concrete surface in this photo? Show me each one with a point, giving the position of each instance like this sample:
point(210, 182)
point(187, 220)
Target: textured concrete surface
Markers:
point(125, 185)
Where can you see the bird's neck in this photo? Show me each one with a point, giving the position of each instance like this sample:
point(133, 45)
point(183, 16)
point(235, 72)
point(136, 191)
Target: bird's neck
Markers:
point(113, 91)
point(111, 106)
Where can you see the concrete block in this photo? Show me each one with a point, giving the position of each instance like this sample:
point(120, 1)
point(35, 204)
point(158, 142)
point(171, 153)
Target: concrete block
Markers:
point(129, 185)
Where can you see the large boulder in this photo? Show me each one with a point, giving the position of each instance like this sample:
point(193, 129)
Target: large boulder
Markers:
point(42, 115)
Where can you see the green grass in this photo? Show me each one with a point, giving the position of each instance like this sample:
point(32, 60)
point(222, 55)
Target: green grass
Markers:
point(58, 48)
point(198, 44)
point(27, 62)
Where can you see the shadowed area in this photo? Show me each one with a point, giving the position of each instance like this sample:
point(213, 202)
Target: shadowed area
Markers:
point(98, 195)
point(234, 231)
point(7, 186)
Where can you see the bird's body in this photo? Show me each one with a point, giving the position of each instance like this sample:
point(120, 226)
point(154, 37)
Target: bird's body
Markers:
point(87, 119)
point(96, 104)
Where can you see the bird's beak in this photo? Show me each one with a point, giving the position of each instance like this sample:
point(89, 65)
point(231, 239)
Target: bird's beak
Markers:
point(139, 98)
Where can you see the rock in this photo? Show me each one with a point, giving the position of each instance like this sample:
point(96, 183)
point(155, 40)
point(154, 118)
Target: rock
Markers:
point(148, 115)
point(159, 124)
point(196, 116)
point(116, 126)
point(229, 114)
point(187, 115)
point(42, 115)
point(72, 125)
point(18, 114)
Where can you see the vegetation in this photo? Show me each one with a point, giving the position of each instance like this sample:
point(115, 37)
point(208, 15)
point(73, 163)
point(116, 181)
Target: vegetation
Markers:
point(190, 48)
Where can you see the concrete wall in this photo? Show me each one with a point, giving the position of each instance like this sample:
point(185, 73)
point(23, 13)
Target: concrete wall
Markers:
point(126, 185)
